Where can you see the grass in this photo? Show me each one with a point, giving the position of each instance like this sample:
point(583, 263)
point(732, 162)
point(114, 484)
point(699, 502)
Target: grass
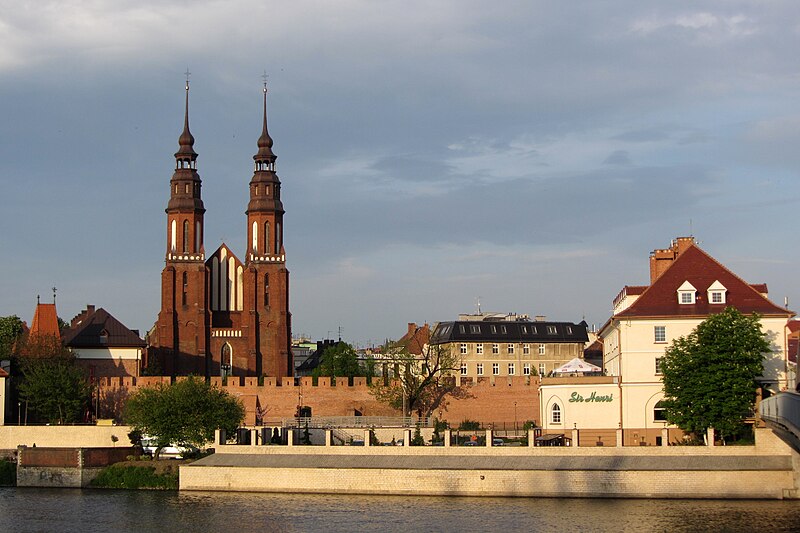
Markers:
point(8, 473)
point(127, 476)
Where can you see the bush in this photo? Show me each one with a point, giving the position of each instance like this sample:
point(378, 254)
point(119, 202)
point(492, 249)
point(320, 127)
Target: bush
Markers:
point(469, 425)
point(134, 477)
point(8, 473)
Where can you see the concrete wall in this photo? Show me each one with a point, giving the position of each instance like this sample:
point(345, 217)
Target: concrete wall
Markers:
point(63, 436)
point(761, 471)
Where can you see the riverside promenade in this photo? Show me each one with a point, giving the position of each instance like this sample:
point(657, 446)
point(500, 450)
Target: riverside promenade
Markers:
point(768, 470)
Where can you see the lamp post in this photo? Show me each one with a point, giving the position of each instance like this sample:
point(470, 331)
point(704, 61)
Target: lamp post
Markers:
point(19, 413)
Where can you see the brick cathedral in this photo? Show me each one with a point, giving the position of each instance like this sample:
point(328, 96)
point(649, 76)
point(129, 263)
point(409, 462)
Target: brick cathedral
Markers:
point(219, 315)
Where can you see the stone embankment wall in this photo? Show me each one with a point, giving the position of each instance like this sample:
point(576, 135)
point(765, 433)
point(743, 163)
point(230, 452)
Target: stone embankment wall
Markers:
point(64, 467)
point(499, 401)
point(63, 436)
point(761, 471)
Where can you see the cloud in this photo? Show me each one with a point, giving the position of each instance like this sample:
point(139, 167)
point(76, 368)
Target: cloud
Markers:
point(618, 157)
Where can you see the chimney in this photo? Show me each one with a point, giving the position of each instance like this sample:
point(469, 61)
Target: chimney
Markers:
point(661, 260)
point(539, 318)
point(412, 327)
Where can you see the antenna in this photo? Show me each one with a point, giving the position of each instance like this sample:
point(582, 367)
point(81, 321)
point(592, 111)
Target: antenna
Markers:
point(340, 333)
point(478, 304)
point(691, 230)
point(54, 294)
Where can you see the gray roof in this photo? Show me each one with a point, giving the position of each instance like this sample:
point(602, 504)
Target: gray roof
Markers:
point(509, 331)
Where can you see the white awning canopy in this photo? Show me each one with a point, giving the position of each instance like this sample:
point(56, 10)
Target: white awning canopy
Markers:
point(577, 365)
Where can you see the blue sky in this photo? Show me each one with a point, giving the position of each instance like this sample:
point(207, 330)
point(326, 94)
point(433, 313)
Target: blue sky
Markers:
point(528, 153)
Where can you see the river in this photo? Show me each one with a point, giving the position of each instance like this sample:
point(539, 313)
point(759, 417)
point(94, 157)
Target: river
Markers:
point(47, 510)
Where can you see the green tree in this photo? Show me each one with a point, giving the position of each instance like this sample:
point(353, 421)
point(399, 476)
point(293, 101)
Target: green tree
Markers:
point(54, 388)
point(419, 383)
point(185, 413)
point(340, 361)
point(10, 331)
point(710, 375)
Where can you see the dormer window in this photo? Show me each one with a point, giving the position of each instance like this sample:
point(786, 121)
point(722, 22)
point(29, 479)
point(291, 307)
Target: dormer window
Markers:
point(716, 293)
point(686, 294)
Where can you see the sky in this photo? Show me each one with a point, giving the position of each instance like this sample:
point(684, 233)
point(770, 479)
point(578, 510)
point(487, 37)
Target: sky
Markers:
point(528, 155)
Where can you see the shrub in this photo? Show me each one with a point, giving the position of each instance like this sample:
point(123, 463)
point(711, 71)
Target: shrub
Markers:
point(469, 425)
point(8, 473)
point(134, 477)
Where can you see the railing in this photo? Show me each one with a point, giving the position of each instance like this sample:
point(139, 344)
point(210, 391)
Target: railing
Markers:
point(355, 422)
point(782, 410)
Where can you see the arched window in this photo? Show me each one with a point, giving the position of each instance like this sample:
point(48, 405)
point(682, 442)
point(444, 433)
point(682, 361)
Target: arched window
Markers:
point(255, 237)
point(278, 238)
point(185, 236)
point(173, 244)
point(185, 288)
point(226, 360)
point(266, 237)
point(266, 290)
point(555, 414)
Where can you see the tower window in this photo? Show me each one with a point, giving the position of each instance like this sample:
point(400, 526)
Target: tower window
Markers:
point(266, 290)
point(266, 237)
point(185, 289)
point(186, 236)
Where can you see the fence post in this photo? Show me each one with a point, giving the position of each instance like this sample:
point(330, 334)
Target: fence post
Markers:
point(447, 438)
point(531, 438)
point(290, 437)
point(488, 438)
point(366, 437)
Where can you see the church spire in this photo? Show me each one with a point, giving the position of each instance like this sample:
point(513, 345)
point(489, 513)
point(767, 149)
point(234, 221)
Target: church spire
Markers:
point(186, 151)
point(265, 158)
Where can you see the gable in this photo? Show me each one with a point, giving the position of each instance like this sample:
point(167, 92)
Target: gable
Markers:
point(226, 275)
point(696, 269)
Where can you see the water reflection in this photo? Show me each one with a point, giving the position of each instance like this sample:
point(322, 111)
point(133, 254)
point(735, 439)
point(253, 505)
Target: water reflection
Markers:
point(122, 511)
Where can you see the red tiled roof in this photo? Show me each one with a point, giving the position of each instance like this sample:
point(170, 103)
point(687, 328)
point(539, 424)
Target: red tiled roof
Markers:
point(415, 340)
point(701, 270)
point(793, 325)
point(3, 373)
point(45, 321)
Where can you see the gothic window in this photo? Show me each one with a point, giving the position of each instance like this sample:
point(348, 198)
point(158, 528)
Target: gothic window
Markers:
point(266, 290)
point(255, 237)
point(266, 237)
point(555, 414)
point(278, 237)
point(173, 245)
point(185, 236)
point(226, 360)
point(185, 288)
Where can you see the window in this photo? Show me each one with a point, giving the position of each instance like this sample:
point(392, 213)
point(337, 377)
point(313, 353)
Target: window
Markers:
point(510, 348)
point(511, 369)
point(461, 329)
point(686, 293)
point(494, 329)
point(503, 330)
point(479, 348)
point(525, 330)
point(475, 328)
point(495, 369)
point(658, 412)
point(542, 369)
point(569, 330)
point(658, 365)
point(495, 348)
point(266, 290)
point(185, 288)
point(463, 369)
point(526, 349)
point(463, 348)
point(716, 293)
point(266, 237)
point(479, 369)
point(526, 369)
point(660, 333)
point(542, 349)
point(555, 414)
point(185, 236)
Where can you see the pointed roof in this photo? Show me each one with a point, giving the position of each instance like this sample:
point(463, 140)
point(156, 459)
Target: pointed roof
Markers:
point(186, 140)
point(265, 141)
point(701, 271)
point(99, 329)
point(45, 321)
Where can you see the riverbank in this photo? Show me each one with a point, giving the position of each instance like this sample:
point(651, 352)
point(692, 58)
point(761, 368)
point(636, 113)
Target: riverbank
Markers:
point(765, 471)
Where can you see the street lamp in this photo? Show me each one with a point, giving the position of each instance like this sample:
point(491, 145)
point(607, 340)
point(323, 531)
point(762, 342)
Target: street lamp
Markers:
point(19, 413)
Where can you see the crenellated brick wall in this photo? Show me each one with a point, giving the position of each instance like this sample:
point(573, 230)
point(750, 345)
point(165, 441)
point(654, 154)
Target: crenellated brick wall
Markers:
point(499, 401)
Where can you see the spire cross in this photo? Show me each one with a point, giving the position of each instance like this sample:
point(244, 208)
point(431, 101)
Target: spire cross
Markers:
point(187, 74)
point(54, 294)
point(265, 77)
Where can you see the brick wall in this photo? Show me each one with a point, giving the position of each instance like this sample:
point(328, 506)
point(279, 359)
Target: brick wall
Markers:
point(498, 401)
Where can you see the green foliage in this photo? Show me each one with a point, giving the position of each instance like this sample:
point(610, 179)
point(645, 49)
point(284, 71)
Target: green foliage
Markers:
point(373, 440)
point(134, 477)
point(528, 425)
point(469, 425)
point(306, 439)
point(339, 361)
point(10, 331)
point(55, 388)
point(417, 440)
point(710, 375)
point(438, 428)
point(185, 413)
point(8, 473)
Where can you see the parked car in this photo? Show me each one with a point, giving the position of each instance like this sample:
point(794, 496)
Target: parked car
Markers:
point(150, 444)
point(498, 442)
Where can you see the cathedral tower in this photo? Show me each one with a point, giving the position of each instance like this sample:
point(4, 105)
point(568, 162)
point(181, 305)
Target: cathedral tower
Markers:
point(267, 276)
point(181, 335)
